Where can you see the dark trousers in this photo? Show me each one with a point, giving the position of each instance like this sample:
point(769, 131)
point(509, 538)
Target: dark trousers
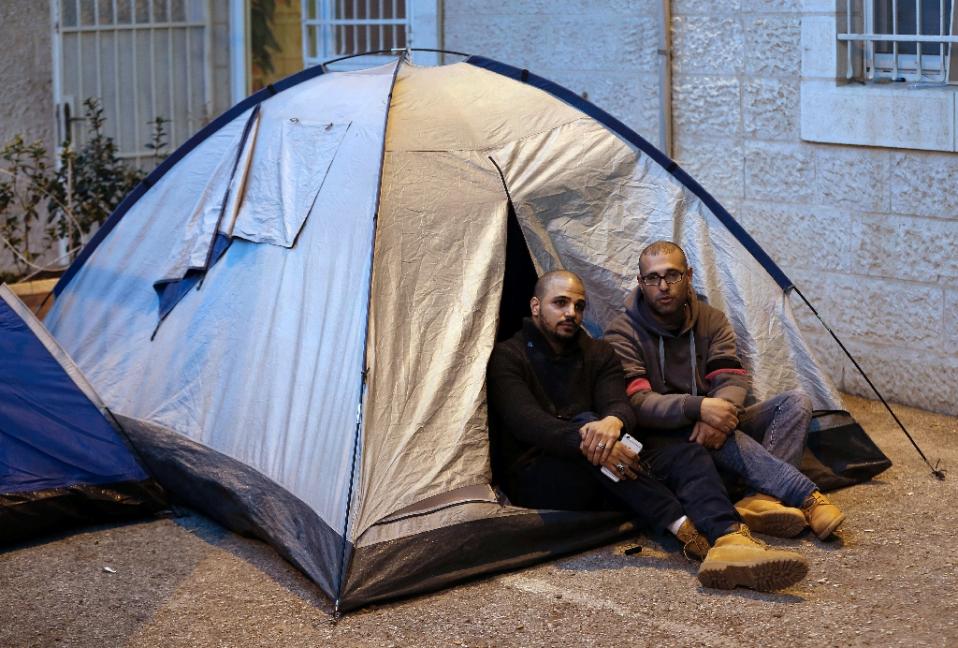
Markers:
point(679, 478)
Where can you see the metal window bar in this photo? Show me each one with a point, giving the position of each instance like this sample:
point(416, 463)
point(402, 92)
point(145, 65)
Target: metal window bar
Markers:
point(918, 31)
point(128, 77)
point(335, 28)
point(918, 67)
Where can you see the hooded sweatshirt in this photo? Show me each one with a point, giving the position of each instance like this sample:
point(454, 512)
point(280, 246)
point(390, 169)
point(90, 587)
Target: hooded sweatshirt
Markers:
point(669, 373)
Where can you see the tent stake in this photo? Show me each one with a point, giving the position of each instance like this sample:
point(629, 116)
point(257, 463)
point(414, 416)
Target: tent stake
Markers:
point(938, 472)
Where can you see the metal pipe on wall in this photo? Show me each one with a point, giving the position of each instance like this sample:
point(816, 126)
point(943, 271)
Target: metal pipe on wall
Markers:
point(665, 78)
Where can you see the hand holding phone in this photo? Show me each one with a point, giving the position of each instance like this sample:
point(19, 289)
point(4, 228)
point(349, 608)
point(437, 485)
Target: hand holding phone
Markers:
point(632, 444)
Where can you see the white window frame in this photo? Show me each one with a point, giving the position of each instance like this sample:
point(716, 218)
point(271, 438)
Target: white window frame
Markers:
point(838, 107)
point(69, 105)
point(859, 40)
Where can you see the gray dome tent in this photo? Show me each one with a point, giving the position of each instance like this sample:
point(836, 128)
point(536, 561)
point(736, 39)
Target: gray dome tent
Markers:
point(292, 315)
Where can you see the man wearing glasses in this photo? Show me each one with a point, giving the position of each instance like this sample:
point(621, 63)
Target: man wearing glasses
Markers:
point(686, 384)
point(559, 415)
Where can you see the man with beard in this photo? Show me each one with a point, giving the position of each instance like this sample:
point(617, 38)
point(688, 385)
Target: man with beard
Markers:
point(686, 385)
point(558, 409)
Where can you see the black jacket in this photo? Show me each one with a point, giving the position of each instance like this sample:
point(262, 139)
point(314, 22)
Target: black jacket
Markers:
point(534, 393)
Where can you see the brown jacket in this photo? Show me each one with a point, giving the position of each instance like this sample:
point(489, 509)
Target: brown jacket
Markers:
point(669, 373)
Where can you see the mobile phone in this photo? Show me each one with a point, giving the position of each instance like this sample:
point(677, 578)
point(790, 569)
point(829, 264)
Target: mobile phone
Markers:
point(632, 444)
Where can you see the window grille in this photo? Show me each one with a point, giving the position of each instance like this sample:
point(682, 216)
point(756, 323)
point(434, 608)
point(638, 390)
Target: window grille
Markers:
point(143, 59)
point(899, 40)
point(335, 28)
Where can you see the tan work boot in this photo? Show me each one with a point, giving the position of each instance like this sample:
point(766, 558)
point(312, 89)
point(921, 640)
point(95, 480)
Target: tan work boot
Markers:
point(694, 544)
point(765, 514)
point(739, 560)
point(823, 516)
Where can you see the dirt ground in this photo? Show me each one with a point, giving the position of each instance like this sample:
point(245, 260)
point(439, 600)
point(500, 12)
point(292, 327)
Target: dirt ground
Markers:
point(889, 580)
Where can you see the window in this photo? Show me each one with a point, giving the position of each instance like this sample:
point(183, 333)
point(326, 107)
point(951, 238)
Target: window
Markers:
point(335, 28)
point(899, 40)
point(142, 58)
point(854, 93)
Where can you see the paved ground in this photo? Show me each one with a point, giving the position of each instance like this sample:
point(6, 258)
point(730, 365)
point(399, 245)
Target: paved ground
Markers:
point(890, 580)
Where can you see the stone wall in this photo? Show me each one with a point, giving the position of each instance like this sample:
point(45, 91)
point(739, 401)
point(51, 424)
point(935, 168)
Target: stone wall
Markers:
point(868, 234)
point(607, 50)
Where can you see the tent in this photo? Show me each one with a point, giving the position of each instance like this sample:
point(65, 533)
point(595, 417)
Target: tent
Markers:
point(63, 461)
point(293, 314)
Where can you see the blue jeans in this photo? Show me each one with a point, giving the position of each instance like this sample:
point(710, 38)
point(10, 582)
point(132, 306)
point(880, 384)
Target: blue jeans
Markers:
point(768, 446)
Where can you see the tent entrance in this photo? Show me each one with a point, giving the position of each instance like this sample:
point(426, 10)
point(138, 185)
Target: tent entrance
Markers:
point(519, 280)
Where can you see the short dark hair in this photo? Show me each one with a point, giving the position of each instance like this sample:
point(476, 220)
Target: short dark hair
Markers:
point(663, 247)
point(546, 280)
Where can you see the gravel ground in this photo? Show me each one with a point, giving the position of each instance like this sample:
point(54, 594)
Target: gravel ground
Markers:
point(888, 580)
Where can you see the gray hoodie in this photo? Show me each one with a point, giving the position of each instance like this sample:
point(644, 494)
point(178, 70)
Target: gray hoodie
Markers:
point(669, 373)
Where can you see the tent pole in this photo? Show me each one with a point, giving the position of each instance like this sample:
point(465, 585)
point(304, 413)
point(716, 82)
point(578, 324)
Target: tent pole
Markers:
point(939, 473)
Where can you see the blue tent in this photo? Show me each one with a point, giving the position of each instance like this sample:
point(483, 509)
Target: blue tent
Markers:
point(63, 461)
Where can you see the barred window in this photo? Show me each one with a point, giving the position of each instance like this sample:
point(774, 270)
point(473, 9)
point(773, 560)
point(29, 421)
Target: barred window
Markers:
point(899, 40)
point(142, 58)
point(335, 28)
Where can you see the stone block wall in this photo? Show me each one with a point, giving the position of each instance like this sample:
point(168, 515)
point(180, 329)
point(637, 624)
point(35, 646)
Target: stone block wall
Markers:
point(868, 234)
point(606, 50)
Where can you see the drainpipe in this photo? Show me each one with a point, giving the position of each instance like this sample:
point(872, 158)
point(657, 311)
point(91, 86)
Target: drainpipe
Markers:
point(665, 78)
point(441, 26)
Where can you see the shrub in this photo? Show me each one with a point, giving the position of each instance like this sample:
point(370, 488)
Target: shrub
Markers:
point(68, 200)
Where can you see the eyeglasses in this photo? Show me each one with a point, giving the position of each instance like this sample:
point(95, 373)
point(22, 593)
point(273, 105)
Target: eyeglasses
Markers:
point(671, 277)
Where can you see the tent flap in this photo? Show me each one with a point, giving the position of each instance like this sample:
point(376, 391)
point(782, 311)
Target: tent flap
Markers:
point(286, 174)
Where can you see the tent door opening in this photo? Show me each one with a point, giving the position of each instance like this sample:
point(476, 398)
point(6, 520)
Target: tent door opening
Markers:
point(519, 280)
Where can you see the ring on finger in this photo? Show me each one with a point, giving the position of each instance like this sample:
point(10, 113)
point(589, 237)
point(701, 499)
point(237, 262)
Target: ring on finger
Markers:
point(621, 468)
point(601, 446)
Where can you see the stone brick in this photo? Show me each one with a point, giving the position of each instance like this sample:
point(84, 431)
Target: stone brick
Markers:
point(773, 46)
point(597, 42)
point(690, 7)
point(917, 378)
point(951, 319)
point(631, 98)
point(875, 311)
point(771, 5)
point(800, 238)
point(770, 109)
point(852, 177)
point(924, 184)
point(707, 44)
point(819, 52)
point(818, 6)
point(715, 163)
point(706, 105)
point(916, 249)
point(778, 172)
point(457, 8)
